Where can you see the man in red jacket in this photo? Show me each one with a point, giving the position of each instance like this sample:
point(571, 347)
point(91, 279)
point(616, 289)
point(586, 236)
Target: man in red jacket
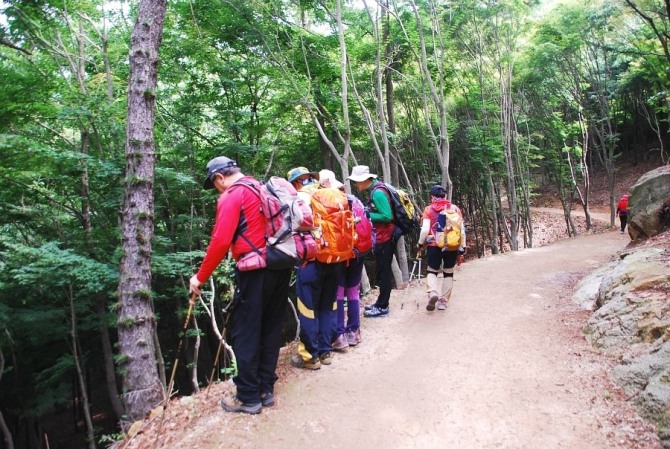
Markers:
point(622, 211)
point(259, 302)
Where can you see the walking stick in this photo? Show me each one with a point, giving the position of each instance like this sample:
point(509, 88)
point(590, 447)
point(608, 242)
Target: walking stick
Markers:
point(191, 303)
point(417, 260)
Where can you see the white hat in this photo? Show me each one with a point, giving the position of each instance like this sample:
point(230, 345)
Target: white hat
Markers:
point(327, 179)
point(361, 173)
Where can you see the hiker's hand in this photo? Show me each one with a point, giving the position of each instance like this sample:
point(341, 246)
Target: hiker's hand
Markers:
point(460, 259)
point(419, 247)
point(194, 285)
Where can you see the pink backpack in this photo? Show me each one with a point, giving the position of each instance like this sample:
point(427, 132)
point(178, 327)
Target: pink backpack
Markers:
point(365, 236)
point(288, 226)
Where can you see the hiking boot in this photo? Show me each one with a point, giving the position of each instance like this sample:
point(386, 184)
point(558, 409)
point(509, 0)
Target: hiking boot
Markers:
point(267, 399)
point(370, 306)
point(299, 362)
point(442, 304)
point(354, 337)
point(326, 358)
point(431, 302)
point(341, 343)
point(233, 405)
point(375, 312)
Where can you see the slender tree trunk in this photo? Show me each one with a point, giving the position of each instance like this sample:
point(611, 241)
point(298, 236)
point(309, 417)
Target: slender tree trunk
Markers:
point(142, 386)
point(76, 354)
point(100, 300)
point(6, 434)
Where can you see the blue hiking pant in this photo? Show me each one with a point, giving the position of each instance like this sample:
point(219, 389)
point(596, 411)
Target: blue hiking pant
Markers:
point(316, 286)
point(259, 304)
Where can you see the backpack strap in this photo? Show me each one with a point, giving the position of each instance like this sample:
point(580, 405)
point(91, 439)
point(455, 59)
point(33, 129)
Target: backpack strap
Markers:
point(242, 225)
point(384, 186)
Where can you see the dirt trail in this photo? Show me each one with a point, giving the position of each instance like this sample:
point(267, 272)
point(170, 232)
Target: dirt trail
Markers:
point(505, 366)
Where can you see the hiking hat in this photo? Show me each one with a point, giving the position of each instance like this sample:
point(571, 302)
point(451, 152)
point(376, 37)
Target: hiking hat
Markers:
point(216, 165)
point(361, 173)
point(438, 191)
point(297, 172)
point(327, 179)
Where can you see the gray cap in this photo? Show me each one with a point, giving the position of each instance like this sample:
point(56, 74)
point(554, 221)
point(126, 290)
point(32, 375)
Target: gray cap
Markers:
point(215, 166)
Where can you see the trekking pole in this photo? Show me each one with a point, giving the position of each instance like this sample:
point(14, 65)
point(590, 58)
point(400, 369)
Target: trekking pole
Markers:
point(191, 303)
point(418, 257)
point(409, 283)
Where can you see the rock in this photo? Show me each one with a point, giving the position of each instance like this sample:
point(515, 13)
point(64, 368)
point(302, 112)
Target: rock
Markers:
point(629, 308)
point(632, 319)
point(587, 290)
point(649, 207)
point(647, 381)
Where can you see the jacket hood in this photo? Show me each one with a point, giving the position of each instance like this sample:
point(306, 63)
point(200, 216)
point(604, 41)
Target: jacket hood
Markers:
point(439, 204)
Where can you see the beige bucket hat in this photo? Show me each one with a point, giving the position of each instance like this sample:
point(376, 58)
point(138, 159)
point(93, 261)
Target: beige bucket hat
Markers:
point(361, 173)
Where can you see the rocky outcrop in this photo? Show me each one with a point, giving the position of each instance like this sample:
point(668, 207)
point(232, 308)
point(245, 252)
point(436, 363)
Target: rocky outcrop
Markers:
point(649, 204)
point(630, 297)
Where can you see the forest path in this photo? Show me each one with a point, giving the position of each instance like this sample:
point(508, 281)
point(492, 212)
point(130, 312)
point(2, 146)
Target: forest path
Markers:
point(505, 366)
point(579, 212)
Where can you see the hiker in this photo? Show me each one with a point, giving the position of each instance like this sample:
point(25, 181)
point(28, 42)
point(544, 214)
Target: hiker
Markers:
point(440, 259)
point(381, 215)
point(349, 280)
point(622, 211)
point(259, 304)
point(316, 288)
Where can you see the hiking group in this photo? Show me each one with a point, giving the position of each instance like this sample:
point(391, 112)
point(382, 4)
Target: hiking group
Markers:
point(308, 223)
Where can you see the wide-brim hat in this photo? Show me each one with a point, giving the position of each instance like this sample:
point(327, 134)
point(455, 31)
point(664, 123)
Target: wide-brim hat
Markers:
point(361, 173)
point(215, 166)
point(297, 172)
point(327, 179)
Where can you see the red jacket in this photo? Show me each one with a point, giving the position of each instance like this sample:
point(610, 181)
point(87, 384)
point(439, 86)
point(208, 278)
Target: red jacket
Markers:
point(622, 207)
point(238, 205)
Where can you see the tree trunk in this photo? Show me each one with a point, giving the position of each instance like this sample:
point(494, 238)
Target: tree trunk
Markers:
point(142, 386)
point(6, 434)
point(76, 353)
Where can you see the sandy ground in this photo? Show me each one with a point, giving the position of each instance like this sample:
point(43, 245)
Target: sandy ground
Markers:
point(505, 366)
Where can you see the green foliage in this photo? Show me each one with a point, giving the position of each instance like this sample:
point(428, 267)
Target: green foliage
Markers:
point(242, 79)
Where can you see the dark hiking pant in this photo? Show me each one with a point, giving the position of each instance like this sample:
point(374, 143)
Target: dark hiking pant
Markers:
point(255, 329)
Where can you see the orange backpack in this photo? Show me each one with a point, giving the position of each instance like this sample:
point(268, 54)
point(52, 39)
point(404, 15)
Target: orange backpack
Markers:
point(335, 228)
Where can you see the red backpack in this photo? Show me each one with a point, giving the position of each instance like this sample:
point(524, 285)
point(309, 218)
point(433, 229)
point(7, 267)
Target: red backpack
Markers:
point(365, 235)
point(288, 225)
point(334, 223)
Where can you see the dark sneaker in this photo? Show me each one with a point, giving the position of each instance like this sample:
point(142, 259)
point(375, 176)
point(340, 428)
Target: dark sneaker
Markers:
point(326, 358)
point(341, 343)
point(267, 399)
point(431, 303)
point(442, 304)
point(233, 405)
point(299, 362)
point(375, 312)
point(370, 306)
point(354, 337)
